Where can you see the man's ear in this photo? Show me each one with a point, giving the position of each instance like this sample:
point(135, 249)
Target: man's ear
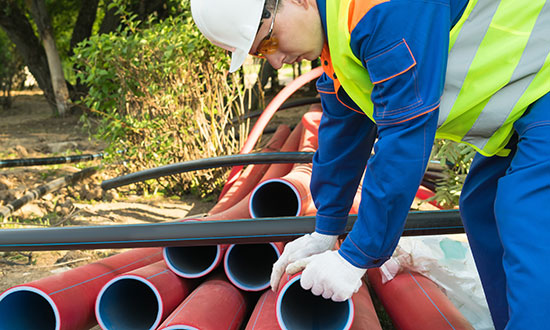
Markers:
point(301, 3)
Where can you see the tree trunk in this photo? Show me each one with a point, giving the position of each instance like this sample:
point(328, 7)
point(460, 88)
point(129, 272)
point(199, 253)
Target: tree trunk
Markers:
point(82, 31)
point(84, 23)
point(42, 20)
point(19, 30)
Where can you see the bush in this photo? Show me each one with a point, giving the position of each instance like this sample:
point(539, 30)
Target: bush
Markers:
point(162, 94)
point(456, 159)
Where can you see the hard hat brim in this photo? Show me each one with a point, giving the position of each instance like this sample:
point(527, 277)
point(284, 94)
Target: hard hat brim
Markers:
point(237, 59)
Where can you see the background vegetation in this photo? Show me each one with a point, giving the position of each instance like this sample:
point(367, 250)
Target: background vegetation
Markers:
point(149, 84)
point(161, 93)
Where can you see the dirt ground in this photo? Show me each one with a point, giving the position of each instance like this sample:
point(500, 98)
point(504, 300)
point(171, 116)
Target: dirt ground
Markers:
point(29, 130)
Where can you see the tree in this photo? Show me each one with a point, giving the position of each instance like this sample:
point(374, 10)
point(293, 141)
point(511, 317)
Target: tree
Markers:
point(20, 31)
point(43, 22)
point(18, 26)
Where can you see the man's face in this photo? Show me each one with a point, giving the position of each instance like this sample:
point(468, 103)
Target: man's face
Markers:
point(297, 28)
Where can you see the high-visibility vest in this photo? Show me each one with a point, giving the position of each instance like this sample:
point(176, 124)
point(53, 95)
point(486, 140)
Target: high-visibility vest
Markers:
point(498, 65)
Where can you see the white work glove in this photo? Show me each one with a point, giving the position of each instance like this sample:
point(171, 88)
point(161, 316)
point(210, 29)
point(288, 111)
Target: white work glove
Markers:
point(329, 275)
point(300, 248)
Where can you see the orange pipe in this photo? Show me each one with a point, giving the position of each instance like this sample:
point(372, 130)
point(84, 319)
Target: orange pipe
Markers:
point(252, 174)
point(65, 301)
point(215, 304)
point(297, 308)
point(141, 298)
point(266, 115)
point(415, 302)
point(248, 266)
point(267, 198)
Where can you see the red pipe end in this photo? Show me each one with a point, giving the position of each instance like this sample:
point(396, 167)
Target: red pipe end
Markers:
point(274, 198)
point(300, 309)
point(193, 261)
point(248, 266)
point(23, 307)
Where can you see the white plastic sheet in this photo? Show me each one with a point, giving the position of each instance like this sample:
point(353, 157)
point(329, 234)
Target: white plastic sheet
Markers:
point(448, 263)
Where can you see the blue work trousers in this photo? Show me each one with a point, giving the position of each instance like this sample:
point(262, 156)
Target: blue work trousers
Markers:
point(505, 207)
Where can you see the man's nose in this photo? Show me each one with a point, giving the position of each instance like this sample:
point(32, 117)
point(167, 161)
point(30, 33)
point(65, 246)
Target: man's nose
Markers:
point(276, 60)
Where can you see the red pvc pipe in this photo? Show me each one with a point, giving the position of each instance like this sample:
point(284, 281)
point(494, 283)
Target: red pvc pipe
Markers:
point(140, 299)
point(195, 262)
point(215, 304)
point(289, 195)
point(66, 301)
point(297, 308)
point(252, 174)
point(248, 266)
point(264, 316)
point(266, 115)
point(415, 302)
point(365, 314)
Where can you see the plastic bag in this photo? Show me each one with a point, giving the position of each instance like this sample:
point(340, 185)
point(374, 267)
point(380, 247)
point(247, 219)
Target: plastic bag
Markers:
point(448, 263)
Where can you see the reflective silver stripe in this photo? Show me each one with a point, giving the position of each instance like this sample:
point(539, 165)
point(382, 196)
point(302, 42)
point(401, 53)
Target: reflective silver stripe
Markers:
point(502, 103)
point(463, 52)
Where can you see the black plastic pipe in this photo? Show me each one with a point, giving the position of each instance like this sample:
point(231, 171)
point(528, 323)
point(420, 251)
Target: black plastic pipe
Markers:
point(196, 233)
point(201, 164)
point(51, 160)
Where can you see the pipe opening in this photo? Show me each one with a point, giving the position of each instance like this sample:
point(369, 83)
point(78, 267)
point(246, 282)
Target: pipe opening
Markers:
point(248, 266)
point(192, 261)
point(21, 309)
point(300, 309)
point(274, 198)
point(128, 303)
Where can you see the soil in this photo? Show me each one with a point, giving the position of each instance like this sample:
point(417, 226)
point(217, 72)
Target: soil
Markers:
point(28, 130)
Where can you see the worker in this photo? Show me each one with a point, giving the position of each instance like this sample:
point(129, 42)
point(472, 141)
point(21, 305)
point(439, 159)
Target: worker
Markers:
point(398, 74)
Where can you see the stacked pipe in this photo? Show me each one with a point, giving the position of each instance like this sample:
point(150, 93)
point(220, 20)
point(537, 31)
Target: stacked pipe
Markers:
point(194, 262)
point(166, 292)
point(65, 301)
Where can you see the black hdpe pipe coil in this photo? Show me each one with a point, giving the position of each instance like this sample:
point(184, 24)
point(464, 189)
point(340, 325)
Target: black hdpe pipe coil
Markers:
point(201, 164)
point(51, 160)
point(286, 105)
point(48, 160)
point(197, 233)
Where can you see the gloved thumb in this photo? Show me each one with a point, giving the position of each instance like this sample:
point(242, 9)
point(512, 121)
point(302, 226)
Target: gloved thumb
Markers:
point(298, 265)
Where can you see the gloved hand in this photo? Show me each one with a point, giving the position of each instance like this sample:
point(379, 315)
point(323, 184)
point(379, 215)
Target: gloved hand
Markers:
point(300, 248)
point(329, 275)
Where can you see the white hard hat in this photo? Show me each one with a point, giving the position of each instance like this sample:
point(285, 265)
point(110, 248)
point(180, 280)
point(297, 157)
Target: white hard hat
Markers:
point(230, 24)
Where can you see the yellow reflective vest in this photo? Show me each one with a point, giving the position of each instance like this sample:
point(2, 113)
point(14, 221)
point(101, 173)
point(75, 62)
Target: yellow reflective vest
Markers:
point(498, 65)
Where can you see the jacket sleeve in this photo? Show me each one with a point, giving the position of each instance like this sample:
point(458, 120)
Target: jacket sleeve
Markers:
point(403, 45)
point(345, 144)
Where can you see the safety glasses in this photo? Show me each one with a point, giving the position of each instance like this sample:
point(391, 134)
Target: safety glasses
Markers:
point(269, 44)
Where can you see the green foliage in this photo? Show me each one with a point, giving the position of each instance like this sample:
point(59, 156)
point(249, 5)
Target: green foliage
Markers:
point(162, 94)
point(11, 69)
point(456, 159)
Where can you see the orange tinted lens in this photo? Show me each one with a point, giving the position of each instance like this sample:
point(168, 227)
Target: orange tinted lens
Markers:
point(268, 46)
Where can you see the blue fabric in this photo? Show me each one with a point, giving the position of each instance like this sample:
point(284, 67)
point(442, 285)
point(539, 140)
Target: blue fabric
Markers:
point(345, 143)
point(406, 116)
point(504, 206)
